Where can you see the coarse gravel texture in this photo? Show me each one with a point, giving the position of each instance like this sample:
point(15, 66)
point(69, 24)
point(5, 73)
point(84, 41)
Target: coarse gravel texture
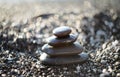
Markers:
point(21, 42)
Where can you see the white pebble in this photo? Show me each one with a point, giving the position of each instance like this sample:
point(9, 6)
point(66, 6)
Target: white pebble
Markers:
point(110, 69)
point(104, 70)
point(118, 75)
point(78, 68)
point(115, 42)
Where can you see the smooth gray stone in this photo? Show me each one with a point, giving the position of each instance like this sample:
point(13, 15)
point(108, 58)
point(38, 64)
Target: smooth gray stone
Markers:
point(62, 31)
point(47, 60)
point(54, 41)
point(64, 50)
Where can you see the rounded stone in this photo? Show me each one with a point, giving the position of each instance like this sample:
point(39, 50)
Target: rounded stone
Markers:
point(54, 41)
point(72, 49)
point(62, 31)
point(47, 60)
point(106, 74)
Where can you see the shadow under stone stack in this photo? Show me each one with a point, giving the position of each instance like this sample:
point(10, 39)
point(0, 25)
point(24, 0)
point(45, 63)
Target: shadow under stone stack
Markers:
point(62, 48)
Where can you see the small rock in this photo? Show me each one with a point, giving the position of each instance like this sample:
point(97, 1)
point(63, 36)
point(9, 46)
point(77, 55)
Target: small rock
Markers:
point(104, 70)
point(117, 63)
point(72, 49)
point(106, 74)
point(54, 41)
point(118, 75)
point(94, 70)
point(46, 59)
point(62, 31)
point(78, 68)
point(103, 61)
point(118, 50)
point(116, 57)
point(110, 69)
point(104, 45)
point(65, 68)
point(115, 42)
point(37, 66)
point(3, 75)
point(100, 33)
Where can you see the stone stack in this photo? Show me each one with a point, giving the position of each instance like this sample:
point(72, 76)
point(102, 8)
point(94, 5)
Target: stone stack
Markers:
point(62, 48)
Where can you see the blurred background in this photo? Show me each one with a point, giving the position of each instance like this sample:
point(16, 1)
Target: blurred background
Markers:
point(25, 9)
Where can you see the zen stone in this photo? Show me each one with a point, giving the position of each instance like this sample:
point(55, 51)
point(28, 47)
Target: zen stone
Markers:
point(54, 41)
point(67, 50)
point(46, 59)
point(62, 31)
point(62, 48)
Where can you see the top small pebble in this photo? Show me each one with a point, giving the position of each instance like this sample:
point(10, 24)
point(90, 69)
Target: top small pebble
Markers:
point(62, 31)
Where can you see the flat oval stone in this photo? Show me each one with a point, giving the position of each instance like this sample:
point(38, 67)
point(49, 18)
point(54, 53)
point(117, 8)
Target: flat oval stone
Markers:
point(47, 60)
point(62, 31)
point(66, 50)
point(54, 41)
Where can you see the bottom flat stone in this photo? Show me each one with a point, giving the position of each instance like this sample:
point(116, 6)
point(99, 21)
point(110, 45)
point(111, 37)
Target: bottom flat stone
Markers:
point(47, 60)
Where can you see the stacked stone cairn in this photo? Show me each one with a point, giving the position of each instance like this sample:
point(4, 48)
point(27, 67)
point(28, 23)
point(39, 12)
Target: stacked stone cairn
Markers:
point(62, 48)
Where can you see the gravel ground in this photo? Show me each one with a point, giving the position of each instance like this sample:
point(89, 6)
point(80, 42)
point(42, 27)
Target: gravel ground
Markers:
point(21, 42)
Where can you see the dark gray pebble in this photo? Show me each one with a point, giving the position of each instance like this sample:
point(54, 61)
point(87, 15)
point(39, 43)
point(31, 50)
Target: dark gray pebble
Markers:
point(72, 49)
point(62, 31)
point(46, 59)
point(54, 41)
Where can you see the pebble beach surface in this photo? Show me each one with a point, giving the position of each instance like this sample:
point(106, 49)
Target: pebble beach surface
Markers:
point(20, 45)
